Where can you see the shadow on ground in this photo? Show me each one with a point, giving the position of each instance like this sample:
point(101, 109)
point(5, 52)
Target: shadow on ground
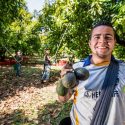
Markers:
point(30, 77)
point(50, 114)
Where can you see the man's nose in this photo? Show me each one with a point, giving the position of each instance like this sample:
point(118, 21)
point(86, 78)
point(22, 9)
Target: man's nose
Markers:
point(102, 40)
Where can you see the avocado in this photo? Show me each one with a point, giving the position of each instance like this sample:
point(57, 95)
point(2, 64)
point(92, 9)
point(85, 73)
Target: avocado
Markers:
point(81, 73)
point(60, 89)
point(69, 80)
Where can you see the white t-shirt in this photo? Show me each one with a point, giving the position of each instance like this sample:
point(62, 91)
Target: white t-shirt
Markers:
point(88, 91)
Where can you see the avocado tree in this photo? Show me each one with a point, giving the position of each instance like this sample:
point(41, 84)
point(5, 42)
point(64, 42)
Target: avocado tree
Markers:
point(67, 24)
point(25, 35)
point(9, 11)
point(18, 29)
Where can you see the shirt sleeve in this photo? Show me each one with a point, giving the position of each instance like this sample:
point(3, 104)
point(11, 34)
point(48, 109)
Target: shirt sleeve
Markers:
point(78, 64)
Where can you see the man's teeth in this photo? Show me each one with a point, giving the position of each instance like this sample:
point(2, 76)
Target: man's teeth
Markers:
point(101, 47)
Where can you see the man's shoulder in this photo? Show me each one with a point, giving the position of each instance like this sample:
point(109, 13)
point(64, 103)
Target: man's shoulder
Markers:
point(121, 68)
point(83, 62)
point(80, 63)
point(121, 63)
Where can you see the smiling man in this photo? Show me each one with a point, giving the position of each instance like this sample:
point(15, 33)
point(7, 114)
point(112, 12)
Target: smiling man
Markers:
point(99, 100)
point(102, 43)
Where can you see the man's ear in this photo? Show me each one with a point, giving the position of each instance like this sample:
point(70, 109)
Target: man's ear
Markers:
point(89, 43)
point(115, 41)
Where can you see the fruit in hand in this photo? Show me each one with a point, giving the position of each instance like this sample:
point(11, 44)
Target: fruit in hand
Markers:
point(69, 80)
point(60, 89)
point(81, 73)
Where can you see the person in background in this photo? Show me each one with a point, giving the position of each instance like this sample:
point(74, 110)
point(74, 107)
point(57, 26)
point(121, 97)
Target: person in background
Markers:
point(47, 67)
point(90, 105)
point(17, 65)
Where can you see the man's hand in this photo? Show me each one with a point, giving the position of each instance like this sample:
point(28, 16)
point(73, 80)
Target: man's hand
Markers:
point(67, 68)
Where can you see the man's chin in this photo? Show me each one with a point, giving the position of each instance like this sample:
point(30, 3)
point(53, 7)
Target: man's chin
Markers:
point(102, 55)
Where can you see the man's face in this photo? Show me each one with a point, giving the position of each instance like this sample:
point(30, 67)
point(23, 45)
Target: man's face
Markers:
point(18, 53)
point(102, 41)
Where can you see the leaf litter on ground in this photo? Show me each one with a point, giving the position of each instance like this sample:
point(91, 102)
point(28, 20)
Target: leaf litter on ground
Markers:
point(26, 101)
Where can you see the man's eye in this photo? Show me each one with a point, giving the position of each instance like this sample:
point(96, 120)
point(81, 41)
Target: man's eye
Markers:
point(108, 38)
point(97, 37)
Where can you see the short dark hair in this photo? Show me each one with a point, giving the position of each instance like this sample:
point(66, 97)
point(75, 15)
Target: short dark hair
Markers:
point(104, 23)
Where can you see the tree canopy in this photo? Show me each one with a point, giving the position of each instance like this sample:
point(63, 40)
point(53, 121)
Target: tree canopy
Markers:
point(61, 26)
point(18, 29)
point(68, 23)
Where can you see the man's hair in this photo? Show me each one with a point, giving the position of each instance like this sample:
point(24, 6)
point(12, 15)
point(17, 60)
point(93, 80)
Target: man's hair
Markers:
point(104, 23)
point(108, 23)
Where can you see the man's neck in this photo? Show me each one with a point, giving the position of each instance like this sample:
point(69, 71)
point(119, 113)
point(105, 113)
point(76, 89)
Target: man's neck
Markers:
point(98, 60)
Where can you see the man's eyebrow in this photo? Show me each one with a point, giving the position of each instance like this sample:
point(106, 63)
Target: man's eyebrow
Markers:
point(105, 34)
point(109, 34)
point(96, 35)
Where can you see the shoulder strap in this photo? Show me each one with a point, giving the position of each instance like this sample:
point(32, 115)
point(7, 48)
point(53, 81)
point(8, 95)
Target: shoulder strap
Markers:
point(102, 105)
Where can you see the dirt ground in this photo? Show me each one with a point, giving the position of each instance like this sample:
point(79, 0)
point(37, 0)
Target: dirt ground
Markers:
point(25, 100)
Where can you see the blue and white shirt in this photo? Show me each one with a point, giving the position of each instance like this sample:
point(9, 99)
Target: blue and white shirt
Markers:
point(87, 93)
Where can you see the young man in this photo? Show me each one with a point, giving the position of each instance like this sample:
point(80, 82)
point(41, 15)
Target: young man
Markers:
point(87, 95)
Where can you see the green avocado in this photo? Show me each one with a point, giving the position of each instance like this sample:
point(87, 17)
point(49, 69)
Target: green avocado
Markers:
point(81, 73)
point(60, 89)
point(69, 80)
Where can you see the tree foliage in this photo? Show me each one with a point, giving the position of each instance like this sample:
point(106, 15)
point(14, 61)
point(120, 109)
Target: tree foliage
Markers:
point(67, 24)
point(9, 11)
point(63, 26)
point(18, 29)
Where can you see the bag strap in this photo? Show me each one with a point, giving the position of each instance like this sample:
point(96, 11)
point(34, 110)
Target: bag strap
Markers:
point(102, 105)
